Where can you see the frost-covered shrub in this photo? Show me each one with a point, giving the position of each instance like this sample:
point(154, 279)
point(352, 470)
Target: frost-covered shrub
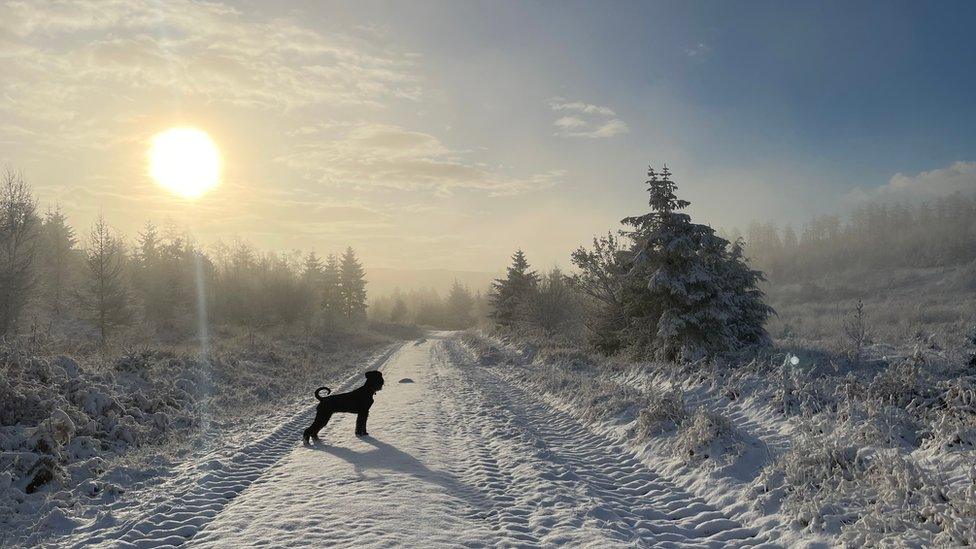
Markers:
point(882, 426)
point(901, 504)
point(706, 435)
point(663, 411)
point(902, 383)
point(58, 420)
point(871, 497)
point(572, 358)
point(606, 401)
point(807, 479)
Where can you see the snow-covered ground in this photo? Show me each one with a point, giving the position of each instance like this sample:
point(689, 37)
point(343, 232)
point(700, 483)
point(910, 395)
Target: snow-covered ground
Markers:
point(461, 456)
point(879, 456)
point(94, 442)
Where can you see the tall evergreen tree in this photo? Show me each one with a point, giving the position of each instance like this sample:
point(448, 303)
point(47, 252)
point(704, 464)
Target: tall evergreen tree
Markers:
point(18, 247)
point(164, 275)
point(332, 305)
point(687, 293)
point(59, 241)
point(509, 294)
point(399, 312)
point(312, 269)
point(105, 295)
point(459, 307)
point(312, 277)
point(352, 284)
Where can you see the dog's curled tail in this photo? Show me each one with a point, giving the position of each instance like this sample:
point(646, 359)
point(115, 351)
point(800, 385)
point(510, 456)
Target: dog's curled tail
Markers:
point(327, 392)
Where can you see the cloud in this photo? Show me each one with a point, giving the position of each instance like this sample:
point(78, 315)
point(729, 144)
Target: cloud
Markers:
point(699, 51)
point(295, 102)
point(588, 120)
point(958, 177)
point(560, 104)
point(570, 122)
point(57, 73)
point(373, 155)
point(610, 129)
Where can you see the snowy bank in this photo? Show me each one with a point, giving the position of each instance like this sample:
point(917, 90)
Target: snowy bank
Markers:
point(78, 435)
point(877, 455)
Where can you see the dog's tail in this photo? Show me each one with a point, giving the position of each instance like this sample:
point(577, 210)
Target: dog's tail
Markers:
point(327, 392)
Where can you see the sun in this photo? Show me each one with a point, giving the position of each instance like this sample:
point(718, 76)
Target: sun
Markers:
point(185, 161)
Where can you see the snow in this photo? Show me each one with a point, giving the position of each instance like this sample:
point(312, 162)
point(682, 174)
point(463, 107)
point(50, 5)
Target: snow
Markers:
point(463, 457)
point(876, 456)
point(85, 446)
point(503, 444)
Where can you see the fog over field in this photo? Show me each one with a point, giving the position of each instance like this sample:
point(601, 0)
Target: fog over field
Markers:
point(587, 274)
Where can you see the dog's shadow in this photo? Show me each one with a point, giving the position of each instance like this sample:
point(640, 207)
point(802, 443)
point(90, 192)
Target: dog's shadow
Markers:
point(387, 457)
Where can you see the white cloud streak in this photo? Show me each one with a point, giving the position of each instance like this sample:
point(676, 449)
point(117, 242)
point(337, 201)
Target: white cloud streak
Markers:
point(588, 120)
point(958, 177)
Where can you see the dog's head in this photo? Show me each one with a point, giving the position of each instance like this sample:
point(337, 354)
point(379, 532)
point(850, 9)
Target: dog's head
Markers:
point(374, 380)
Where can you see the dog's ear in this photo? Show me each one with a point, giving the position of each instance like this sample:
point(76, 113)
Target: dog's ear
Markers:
point(374, 374)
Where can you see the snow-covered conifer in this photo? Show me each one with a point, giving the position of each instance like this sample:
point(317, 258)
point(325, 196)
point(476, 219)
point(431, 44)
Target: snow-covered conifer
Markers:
point(509, 294)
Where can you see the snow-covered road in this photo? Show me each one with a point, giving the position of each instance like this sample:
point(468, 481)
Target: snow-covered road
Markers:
point(459, 457)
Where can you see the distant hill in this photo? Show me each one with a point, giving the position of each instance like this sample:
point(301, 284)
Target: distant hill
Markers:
point(383, 281)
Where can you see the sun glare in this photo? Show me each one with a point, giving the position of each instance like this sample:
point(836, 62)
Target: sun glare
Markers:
point(185, 161)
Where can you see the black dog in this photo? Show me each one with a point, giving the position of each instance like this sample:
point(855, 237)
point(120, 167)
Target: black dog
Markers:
point(354, 402)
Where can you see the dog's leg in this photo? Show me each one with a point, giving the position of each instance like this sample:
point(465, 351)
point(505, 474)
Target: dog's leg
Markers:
point(361, 423)
point(321, 420)
point(326, 416)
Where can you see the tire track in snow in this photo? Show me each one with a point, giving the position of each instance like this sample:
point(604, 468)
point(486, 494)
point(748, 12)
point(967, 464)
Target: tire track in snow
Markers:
point(635, 506)
point(176, 520)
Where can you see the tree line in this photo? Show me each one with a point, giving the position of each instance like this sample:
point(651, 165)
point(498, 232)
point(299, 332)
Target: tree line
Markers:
point(875, 236)
point(663, 288)
point(49, 276)
point(458, 310)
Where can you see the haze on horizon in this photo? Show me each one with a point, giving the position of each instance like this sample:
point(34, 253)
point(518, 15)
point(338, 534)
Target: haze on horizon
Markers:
point(445, 134)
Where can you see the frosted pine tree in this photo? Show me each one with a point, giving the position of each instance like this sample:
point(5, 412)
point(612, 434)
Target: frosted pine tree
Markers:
point(59, 241)
point(686, 293)
point(105, 295)
point(331, 292)
point(508, 295)
point(352, 284)
point(459, 307)
point(748, 309)
point(313, 272)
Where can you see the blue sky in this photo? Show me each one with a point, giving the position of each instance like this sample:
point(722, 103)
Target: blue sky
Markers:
point(445, 134)
point(813, 99)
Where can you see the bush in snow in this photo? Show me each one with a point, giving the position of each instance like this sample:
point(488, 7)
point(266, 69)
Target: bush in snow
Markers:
point(856, 330)
point(869, 492)
point(663, 411)
point(706, 435)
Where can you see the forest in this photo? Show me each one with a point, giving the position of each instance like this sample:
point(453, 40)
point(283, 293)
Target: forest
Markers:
point(873, 237)
point(94, 285)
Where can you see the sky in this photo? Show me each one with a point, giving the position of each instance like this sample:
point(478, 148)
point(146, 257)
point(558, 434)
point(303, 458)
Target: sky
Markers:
point(448, 134)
